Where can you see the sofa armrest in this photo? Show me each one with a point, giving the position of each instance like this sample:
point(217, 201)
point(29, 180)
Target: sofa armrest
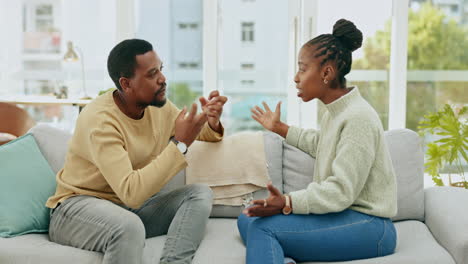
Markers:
point(447, 217)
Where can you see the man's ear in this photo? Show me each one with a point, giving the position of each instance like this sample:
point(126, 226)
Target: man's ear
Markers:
point(124, 83)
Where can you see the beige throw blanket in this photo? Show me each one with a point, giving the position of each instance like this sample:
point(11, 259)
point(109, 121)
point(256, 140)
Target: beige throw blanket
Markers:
point(233, 167)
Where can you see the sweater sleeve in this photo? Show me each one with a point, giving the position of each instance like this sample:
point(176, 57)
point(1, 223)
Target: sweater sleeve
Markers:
point(355, 155)
point(132, 186)
point(209, 135)
point(304, 139)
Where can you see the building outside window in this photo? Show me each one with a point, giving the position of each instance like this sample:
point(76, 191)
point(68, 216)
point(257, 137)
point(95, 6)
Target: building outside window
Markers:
point(248, 31)
point(247, 66)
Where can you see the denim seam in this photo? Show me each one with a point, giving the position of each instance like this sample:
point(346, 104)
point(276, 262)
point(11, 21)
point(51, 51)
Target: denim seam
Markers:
point(82, 220)
point(330, 228)
point(383, 236)
point(176, 235)
point(272, 250)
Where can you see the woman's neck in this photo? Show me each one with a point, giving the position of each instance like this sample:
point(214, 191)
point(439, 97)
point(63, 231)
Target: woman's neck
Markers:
point(334, 94)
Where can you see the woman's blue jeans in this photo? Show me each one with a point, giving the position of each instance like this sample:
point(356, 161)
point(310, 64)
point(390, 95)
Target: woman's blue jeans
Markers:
point(346, 235)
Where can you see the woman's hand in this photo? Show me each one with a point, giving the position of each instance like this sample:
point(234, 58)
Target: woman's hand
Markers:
point(266, 207)
point(270, 120)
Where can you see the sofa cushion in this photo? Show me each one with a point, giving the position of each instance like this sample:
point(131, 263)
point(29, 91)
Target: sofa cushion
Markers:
point(53, 144)
point(408, 161)
point(221, 244)
point(446, 217)
point(298, 168)
point(27, 181)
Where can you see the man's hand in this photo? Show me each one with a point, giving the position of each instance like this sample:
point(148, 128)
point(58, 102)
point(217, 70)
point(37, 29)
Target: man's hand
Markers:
point(213, 108)
point(266, 207)
point(187, 127)
point(270, 120)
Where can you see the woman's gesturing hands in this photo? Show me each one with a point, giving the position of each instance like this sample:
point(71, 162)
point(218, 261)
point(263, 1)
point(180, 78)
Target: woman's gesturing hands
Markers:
point(270, 120)
point(265, 207)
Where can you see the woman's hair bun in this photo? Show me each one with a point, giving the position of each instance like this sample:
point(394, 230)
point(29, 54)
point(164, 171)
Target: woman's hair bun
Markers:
point(348, 34)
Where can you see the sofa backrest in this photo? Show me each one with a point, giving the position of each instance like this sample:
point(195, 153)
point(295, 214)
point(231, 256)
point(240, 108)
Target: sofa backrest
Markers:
point(295, 166)
point(53, 144)
point(408, 161)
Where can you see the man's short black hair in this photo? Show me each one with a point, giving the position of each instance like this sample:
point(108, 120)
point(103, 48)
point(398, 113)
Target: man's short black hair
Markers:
point(122, 58)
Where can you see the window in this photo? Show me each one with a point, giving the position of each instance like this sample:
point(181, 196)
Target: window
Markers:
point(370, 66)
point(40, 30)
point(438, 75)
point(179, 49)
point(188, 25)
point(249, 75)
point(31, 52)
point(247, 83)
point(247, 66)
point(188, 65)
point(248, 31)
point(454, 8)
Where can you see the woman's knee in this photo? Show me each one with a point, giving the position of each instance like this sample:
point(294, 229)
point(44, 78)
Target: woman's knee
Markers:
point(387, 243)
point(243, 223)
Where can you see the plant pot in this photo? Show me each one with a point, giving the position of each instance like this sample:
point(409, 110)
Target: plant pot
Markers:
point(461, 184)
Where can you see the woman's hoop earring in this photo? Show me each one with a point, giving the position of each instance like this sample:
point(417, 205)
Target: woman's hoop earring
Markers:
point(325, 81)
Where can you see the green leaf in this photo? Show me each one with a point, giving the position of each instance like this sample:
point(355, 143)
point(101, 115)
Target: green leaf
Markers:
point(437, 180)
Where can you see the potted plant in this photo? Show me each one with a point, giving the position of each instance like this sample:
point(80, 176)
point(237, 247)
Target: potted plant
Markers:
point(447, 131)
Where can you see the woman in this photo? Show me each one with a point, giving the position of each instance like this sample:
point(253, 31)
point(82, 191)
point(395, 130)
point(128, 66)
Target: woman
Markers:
point(344, 214)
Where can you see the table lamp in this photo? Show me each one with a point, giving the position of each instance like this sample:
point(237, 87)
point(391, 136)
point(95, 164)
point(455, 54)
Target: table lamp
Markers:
point(71, 55)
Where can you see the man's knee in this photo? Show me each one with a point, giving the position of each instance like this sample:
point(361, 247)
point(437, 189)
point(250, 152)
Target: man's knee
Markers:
point(201, 191)
point(202, 197)
point(131, 228)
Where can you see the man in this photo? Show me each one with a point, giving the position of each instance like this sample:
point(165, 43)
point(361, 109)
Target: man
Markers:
point(127, 145)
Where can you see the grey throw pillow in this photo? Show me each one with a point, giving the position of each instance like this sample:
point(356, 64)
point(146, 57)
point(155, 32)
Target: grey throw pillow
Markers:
point(53, 143)
point(298, 168)
point(408, 161)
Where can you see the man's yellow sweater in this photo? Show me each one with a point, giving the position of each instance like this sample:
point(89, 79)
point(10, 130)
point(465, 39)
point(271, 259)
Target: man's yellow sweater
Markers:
point(117, 158)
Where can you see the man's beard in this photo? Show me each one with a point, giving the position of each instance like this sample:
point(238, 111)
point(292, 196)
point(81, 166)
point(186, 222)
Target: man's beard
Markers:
point(156, 102)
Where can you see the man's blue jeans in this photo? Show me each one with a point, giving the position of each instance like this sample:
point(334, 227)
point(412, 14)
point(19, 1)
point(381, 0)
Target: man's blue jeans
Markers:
point(346, 235)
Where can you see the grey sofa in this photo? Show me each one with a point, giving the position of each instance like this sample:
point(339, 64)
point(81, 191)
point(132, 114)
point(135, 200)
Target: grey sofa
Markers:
point(431, 223)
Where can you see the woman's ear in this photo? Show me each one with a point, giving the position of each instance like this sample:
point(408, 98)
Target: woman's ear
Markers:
point(328, 73)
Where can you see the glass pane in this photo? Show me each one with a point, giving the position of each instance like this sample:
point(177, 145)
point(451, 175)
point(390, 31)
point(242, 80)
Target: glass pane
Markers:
point(253, 58)
point(371, 62)
point(176, 35)
point(437, 59)
point(437, 67)
point(32, 48)
point(44, 10)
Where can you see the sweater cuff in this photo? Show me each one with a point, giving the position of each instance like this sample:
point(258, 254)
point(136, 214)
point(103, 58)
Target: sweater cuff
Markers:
point(218, 136)
point(292, 138)
point(209, 135)
point(299, 202)
point(179, 159)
